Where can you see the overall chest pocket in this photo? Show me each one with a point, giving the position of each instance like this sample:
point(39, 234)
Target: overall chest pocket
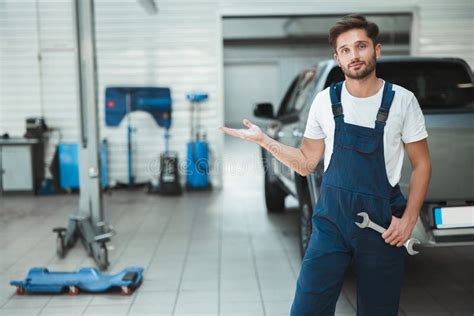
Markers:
point(361, 143)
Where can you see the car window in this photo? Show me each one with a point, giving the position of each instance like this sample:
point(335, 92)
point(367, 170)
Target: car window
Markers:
point(288, 96)
point(438, 86)
point(304, 90)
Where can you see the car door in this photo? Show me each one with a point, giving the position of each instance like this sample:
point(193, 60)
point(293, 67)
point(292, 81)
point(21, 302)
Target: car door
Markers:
point(292, 126)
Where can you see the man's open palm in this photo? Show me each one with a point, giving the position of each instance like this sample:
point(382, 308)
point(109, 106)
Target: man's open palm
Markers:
point(252, 133)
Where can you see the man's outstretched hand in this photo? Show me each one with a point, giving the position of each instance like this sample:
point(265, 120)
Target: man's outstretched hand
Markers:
point(252, 133)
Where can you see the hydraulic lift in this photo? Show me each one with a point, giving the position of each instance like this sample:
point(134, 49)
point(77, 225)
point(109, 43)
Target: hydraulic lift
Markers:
point(88, 221)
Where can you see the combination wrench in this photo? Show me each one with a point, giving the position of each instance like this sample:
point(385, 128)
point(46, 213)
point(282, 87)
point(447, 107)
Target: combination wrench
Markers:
point(366, 222)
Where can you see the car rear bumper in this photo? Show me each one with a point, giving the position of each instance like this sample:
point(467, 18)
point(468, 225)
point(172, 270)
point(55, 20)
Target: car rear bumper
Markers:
point(431, 236)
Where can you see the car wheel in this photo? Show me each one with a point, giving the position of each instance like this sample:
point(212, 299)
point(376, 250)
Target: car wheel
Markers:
point(274, 196)
point(305, 223)
point(274, 193)
point(304, 185)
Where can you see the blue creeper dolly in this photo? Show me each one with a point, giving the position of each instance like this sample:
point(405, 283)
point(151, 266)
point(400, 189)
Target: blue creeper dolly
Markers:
point(355, 180)
point(41, 280)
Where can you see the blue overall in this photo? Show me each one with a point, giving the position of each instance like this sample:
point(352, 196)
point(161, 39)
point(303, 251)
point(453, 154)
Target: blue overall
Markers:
point(355, 181)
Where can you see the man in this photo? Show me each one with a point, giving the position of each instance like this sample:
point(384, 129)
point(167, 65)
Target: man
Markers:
point(361, 126)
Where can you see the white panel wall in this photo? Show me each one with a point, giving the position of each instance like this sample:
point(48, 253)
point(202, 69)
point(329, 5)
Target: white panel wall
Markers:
point(243, 89)
point(20, 88)
point(175, 48)
point(180, 47)
point(57, 67)
point(288, 60)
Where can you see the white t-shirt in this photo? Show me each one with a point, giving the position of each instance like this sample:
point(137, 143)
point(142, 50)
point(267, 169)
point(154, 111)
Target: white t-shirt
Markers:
point(405, 123)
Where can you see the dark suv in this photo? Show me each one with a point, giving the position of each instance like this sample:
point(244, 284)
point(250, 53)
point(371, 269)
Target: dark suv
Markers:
point(444, 89)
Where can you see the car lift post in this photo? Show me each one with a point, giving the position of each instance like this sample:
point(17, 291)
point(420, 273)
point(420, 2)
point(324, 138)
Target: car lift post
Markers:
point(88, 222)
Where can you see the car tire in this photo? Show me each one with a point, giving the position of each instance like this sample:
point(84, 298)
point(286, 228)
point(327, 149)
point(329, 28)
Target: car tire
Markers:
point(274, 196)
point(306, 206)
point(305, 222)
point(274, 193)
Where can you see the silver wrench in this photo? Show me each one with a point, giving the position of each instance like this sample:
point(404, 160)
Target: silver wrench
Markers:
point(366, 222)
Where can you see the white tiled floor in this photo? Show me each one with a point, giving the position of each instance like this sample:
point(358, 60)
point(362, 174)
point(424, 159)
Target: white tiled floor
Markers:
point(205, 253)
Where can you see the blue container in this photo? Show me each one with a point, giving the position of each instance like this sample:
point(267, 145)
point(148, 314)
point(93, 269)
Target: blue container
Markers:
point(69, 165)
point(197, 165)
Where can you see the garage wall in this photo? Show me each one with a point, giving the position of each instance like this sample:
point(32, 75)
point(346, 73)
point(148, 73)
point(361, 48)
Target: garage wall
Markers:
point(246, 67)
point(180, 47)
point(175, 48)
point(20, 88)
point(133, 48)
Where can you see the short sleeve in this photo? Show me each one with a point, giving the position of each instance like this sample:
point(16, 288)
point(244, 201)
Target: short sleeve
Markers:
point(313, 127)
point(414, 128)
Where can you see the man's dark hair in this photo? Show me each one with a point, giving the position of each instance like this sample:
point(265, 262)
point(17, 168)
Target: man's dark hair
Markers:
point(353, 21)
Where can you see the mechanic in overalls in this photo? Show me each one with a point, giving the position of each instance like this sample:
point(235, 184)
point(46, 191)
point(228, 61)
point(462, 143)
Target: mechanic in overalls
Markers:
point(361, 126)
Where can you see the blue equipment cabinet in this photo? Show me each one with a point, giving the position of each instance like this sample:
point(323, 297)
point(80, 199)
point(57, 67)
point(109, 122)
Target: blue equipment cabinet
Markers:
point(69, 165)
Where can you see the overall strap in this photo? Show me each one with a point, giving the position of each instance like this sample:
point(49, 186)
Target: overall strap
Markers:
point(387, 98)
point(335, 94)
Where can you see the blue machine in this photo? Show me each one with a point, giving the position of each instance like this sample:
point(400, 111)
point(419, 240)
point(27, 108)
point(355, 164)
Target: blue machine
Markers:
point(40, 280)
point(69, 165)
point(197, 163)
point(120, 101)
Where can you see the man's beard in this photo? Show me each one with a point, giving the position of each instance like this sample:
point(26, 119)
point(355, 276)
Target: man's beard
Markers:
point(360, 74)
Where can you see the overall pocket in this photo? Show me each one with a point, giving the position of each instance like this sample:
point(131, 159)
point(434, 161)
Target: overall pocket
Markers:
point(361, 143)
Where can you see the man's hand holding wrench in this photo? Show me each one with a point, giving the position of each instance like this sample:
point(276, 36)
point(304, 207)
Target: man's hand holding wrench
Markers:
point(366, 222)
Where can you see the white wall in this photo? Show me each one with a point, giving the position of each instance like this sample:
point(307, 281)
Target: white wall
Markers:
point(181, 47)
point(243, 89)
point(256, 86)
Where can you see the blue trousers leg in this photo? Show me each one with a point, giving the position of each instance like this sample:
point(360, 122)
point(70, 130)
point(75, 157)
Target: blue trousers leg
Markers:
point(322, 272)
point(380, 269)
